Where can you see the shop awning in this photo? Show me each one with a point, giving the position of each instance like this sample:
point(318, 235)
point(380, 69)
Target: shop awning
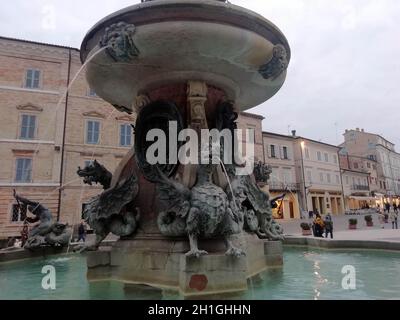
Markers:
point(361, 198)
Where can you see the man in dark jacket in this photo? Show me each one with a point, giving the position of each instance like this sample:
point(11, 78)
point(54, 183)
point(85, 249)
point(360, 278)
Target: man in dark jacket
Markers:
point(328, 225)
point(82, 232)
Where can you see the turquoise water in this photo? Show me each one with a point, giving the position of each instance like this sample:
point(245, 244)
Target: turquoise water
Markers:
point(306, 274)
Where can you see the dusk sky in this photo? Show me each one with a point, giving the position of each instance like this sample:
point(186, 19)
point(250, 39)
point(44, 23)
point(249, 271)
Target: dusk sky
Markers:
point(344, 73)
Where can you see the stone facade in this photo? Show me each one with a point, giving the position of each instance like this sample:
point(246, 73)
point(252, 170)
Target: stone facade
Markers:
point(318, 170)
point(279, 154)
point(374, 147)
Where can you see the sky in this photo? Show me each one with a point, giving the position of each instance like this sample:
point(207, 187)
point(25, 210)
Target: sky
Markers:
point(344, 72)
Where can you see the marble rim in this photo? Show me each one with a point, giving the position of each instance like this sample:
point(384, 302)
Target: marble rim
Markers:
point(188, 10)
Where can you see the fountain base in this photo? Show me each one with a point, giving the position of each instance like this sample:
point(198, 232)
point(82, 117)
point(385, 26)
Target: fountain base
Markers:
point(167, 268)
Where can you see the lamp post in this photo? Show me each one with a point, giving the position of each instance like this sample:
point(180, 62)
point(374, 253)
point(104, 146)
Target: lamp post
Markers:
point(303, 144)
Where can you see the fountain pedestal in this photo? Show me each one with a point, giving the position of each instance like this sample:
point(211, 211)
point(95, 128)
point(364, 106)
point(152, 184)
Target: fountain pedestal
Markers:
point(161, 263)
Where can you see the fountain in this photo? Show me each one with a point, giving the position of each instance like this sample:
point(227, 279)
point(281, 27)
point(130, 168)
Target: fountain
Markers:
point(198, 229)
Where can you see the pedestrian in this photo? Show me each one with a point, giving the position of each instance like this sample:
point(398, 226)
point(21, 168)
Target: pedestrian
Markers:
point(319, 226)
point(387, 207)
point(395, 207)
point(310, 214)
point(328, 225)
point(82, 232)
point(393, 219)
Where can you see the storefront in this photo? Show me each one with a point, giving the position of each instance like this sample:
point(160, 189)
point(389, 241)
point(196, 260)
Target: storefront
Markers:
point(287, 208)
point(361, 202)
point(325, 202)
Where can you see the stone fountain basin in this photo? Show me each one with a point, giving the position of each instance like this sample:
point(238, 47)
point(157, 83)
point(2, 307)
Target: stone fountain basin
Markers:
point(219, 43)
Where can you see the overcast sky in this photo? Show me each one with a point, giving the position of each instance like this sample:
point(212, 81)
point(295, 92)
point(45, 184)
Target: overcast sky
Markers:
point(345, 68)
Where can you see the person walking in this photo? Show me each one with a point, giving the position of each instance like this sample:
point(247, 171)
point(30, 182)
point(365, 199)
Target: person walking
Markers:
point(82, 232)
point(395, 207)
point(387, 207)
point(328, 225)
point(393, 219)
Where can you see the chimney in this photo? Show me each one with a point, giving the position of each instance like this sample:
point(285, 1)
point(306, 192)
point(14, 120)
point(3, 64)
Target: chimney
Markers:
point(357, 129)
point(362, 130)
point(293, 133)
point(346, 131)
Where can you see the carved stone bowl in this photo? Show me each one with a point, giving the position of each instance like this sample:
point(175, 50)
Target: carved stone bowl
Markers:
point(163, 42)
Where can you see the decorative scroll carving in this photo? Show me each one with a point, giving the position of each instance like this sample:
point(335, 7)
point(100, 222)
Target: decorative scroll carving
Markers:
point(141, 101)
point(277, 65)
point(156, 115)
point(118, 39)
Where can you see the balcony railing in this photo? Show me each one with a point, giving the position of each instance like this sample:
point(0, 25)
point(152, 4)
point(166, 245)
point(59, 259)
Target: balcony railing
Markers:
point(359, 187)
point(280, 186)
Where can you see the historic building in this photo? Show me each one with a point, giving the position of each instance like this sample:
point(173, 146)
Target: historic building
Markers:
point(279, 154)
point(361, 184)
point(308, 171)
point(318, 171)
point(382, 152)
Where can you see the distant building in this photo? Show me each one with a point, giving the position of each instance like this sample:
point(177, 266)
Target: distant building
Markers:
point(318, 171)
point(311, 168)
point(279, 154)
point(374, 147)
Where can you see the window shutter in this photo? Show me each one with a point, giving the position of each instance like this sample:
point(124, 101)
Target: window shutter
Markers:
point(269, 151)
point(29, 79)
point(36, 79)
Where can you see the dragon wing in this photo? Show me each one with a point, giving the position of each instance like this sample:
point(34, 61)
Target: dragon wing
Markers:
point(174, 196)
point(112, 201)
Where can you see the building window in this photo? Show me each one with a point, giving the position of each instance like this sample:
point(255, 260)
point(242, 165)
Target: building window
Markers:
point(335, 160)
point(125, 136)
point(272, 151)
point(285, 153)
point(326, 157)
point(18, 213)
point(23, 170)
point(328, 177)
point(32, 80)
point(321, 177)
point(307, 152)
point(319, 156)
point(337, 179)
point(355, 165)
point(347, 180)
point(309, 176)
point(28, 127)
point(368, 165)
point(92, 132)
point(92, 93)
